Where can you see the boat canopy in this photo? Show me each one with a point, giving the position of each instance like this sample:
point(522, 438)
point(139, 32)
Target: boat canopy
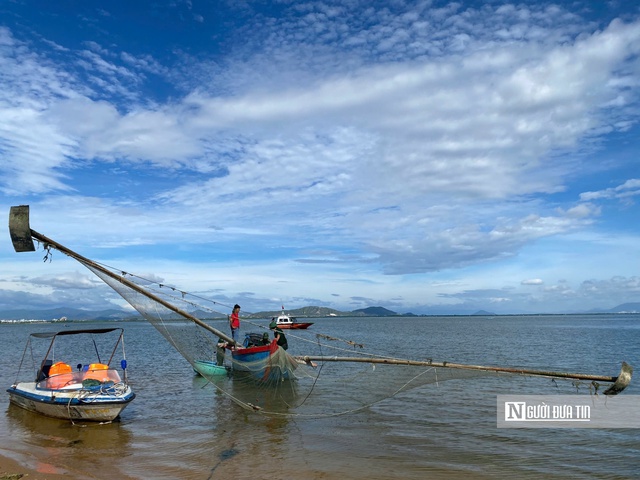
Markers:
point(73, 332)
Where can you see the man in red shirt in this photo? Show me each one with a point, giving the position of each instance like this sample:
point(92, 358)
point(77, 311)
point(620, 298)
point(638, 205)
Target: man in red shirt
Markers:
point(234, 323)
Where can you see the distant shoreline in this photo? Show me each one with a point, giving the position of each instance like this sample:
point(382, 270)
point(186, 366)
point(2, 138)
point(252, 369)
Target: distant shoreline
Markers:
point(249, 317)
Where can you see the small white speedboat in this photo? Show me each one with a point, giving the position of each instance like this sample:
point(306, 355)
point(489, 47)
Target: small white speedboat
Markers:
point(93, 392)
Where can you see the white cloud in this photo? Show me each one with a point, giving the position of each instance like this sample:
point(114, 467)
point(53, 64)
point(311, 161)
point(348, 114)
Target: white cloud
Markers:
point(405, 140)
point(628, 189)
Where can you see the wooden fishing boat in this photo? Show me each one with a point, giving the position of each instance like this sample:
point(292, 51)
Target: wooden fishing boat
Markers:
point(93, 392)
point(262, 358)
point(244, 358)
point(285, 321)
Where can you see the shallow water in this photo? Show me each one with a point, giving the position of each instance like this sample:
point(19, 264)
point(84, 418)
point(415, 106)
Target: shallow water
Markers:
point(180, 427)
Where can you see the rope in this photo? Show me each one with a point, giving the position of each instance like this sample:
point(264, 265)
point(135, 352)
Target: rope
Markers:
point(183, 293)
point(85, 396)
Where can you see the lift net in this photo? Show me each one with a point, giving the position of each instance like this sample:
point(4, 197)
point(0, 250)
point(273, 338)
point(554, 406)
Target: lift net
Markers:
point(320, 375)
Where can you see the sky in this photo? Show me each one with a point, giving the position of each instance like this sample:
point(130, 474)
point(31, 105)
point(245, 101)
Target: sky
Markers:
point(424, 156)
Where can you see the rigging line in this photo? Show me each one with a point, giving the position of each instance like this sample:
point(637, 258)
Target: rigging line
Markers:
point(182, 300)
point(162, 285)
point(48, 246)
point(342, 349)
point(314, 342)
point(315, 380)
point(412, 379)
point(233, 398)
point(152, 282)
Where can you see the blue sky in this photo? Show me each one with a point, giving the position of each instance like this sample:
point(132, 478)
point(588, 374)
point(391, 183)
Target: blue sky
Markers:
point(428, 157)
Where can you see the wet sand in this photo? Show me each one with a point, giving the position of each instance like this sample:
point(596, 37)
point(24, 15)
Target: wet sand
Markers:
point(11, 469)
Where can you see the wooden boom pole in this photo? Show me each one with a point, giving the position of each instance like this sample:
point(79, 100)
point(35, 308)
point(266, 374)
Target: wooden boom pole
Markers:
point(619, 383)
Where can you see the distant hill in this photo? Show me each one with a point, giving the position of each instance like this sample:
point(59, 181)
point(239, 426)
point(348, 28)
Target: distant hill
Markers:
point(374, 312)
point(311, 311)
point(484, 313)
point(626, 308)
point(623, 308)
point(325, 312)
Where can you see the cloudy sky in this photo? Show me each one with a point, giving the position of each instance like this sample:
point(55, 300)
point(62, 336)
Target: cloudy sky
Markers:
point(423, 156)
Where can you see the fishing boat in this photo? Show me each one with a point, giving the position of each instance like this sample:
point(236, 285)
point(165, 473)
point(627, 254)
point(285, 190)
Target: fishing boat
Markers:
point(92, 392)
point(261, 358)
point(285, 321)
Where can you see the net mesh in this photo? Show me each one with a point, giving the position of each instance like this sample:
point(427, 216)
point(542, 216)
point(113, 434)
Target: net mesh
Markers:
point(325, 376)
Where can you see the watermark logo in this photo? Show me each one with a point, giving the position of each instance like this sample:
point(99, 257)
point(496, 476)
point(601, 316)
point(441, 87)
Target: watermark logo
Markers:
point(568, 411)
point(543, 412)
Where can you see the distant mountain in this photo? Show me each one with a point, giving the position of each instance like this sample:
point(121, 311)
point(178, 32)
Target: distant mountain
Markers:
point(374, 312)
point(627, 308)
point(484, 313)
point(300, 312)
point(623, 308)
point(325, 312)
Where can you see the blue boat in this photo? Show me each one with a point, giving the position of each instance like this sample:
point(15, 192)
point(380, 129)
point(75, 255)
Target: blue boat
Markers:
point(265, 362)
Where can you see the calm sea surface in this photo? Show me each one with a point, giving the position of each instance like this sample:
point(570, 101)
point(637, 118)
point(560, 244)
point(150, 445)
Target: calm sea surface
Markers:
point(179, 427)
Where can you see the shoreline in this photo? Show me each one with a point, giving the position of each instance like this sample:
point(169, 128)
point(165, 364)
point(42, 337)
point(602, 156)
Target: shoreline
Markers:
point(11, 469)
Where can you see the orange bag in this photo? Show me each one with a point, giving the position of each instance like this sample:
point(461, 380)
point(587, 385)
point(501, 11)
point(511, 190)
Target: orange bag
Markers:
point(97, 371)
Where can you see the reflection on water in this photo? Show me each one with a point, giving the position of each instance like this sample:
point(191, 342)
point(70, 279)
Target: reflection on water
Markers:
point(65, 445)
point(273, 397)
point(109, 439)
point(181, 426)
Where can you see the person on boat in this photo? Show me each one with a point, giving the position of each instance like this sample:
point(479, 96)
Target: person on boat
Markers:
point(265, 339)
point(278, 334)
point(220, 351)
point(234, 323)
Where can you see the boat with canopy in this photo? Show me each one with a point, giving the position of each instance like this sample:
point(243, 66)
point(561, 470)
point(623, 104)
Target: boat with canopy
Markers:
point(93, 391)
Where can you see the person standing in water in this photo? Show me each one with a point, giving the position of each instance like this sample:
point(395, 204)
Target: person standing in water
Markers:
point(234, 323)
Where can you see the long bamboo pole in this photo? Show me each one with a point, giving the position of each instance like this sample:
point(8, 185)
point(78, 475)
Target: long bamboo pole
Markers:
point(619, 383)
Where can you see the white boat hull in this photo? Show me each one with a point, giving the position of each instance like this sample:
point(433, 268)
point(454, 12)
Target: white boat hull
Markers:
point(96, 404)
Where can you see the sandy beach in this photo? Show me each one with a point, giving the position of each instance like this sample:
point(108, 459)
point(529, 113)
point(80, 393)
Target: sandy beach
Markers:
point(11, 469)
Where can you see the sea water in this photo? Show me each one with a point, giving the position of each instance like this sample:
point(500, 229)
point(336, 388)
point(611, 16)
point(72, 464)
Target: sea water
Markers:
point(180, 427)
